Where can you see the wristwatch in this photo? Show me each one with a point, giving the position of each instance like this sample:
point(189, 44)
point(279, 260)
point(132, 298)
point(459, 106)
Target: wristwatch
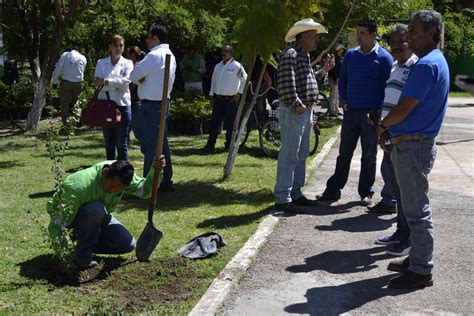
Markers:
point(383, 126)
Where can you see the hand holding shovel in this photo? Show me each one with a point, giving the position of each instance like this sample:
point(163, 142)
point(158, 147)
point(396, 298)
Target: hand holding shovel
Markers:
point(151, 235)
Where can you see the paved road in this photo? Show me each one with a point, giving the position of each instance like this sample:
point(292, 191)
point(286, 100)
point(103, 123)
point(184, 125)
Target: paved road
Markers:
point(326, 262)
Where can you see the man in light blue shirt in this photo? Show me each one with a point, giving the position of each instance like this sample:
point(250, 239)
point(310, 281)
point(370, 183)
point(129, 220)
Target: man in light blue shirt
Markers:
point(412, 126)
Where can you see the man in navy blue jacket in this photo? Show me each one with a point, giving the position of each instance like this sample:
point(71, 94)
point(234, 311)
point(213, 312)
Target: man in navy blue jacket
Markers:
point(364, 72)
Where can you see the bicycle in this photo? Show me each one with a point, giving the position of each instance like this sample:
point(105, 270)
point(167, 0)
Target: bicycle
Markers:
point(269, 128)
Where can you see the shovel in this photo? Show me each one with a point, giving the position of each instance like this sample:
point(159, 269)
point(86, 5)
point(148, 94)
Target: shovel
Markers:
point(151, 235)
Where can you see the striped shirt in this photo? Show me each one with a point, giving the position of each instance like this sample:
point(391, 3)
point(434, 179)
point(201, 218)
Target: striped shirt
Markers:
point(296, 78)
point(395, 83)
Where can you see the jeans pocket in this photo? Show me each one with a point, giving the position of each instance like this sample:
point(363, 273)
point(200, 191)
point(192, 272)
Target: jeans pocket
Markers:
point(424, 155)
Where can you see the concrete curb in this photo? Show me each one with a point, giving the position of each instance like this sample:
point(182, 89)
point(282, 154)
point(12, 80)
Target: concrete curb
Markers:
point(220, 288)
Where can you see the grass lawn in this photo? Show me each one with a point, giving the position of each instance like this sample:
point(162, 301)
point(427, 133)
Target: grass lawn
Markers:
point(167, 284)
point(463, 94)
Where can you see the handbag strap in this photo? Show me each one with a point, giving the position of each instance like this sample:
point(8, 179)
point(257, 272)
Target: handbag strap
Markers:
point(96, 93)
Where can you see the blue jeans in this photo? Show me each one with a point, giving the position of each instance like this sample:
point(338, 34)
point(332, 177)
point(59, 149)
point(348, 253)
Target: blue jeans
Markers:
point(98, 232)
point(150, 124)
point(294, 133)
point(116, 138)
point(355, 126)
point(412, 162)
point(387, 193)
point(135, 124)
point(403, 231)
point(222, 109)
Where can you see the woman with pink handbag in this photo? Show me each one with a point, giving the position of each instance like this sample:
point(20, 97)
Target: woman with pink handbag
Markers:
point(113, 73)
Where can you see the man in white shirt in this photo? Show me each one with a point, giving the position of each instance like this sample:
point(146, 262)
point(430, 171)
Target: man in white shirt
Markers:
point(227, 86)
point(404, 60)
point(70, 67)
point(149, 75)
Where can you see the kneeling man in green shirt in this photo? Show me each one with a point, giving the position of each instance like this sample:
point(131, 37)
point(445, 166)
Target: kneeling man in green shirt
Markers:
point(90, 195)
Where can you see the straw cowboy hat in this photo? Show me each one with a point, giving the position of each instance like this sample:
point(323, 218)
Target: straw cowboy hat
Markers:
point(303, 26)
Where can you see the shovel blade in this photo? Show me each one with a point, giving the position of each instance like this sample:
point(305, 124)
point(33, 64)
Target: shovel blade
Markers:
point(147, 242)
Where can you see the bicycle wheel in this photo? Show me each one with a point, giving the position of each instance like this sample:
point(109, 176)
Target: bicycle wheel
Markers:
point(321, 106)
point(270, 137)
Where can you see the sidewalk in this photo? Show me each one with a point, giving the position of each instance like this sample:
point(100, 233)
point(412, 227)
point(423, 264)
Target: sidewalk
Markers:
point(326, 262)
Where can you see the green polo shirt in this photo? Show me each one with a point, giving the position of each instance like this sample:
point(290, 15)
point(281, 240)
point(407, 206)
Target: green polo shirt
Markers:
point(193, 69)
point(85, 186)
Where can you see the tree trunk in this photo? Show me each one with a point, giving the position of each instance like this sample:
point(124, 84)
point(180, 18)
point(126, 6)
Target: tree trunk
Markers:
point(42, 73)
point(247, 115)
point(232, 149)
point(34, 115)
point(335, 37)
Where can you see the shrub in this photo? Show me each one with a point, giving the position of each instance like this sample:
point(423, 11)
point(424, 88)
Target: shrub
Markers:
point(190, 107)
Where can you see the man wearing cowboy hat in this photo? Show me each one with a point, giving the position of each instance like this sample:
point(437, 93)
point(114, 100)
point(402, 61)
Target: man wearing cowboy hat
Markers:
point(297, 90)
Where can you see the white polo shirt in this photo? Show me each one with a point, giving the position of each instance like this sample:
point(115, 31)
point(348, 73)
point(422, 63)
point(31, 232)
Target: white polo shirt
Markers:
point(70, 67)
point(395, 83)
point(228, 79)
point(118, 79)
point(152, 69)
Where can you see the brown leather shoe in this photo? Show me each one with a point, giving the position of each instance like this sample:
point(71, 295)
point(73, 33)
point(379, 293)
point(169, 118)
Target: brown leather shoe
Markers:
point(366, 201)
point(410, 280)
point(399, 265)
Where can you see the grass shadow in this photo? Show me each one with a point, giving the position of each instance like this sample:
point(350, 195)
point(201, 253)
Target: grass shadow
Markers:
point(234, 220)
point(10, 164)
point(47, 268)
point(75, 169)
point(196, 193)
point(41, 194)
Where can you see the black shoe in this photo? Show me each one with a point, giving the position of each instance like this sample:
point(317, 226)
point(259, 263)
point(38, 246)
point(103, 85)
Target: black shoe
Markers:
point(303, 201)
point(399, 265)
point(208, 149)
point(166, 188)
point(84, 264)
point(382, 208)
point(287, 208)
point(410, 280)
point(328, 197)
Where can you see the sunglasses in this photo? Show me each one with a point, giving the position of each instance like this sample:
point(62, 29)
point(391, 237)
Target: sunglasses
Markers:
point(117, 45)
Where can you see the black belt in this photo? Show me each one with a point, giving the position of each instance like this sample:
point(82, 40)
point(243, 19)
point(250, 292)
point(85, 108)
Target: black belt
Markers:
point(224, 96)
point(149, 101)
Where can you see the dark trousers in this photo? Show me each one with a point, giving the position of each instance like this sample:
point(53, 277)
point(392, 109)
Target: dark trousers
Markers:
point(223, 109)
point(116, 138)
point(355, 126)
point(150, 124)
point(98, 232)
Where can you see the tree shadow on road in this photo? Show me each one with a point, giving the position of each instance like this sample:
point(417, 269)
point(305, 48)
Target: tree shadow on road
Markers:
point(362, 223)
point(342, 261)
point(339, 299)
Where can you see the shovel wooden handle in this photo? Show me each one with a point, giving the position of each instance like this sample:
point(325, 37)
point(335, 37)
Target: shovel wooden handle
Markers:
point(161, 134)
